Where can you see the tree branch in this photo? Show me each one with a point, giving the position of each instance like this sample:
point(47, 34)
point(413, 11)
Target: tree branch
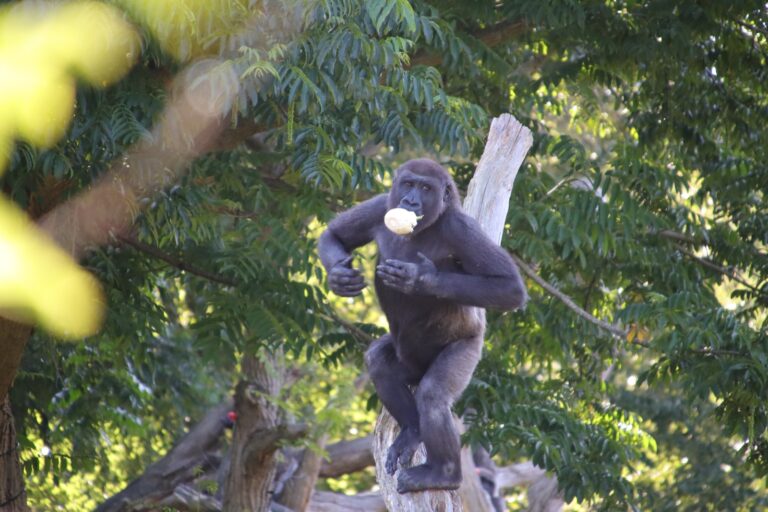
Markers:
point(674, 235)
point(680, 237)
point(173, 261)
point(722, 270)
point(186, 497)
point(613, 329)
point(362, 336)
point(266, 440)
point(323, 501)
point(193, 453)
point(753, 28)
point(490, 36)
point(502, 32)
point(347, 457)
point(180, 264)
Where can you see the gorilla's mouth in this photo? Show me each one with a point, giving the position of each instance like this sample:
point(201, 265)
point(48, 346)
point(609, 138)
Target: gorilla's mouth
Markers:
point(417, 211)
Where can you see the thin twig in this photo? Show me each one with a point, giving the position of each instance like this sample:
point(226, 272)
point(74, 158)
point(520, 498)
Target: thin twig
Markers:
point(354, 330)
point(717, 268)
point(753, 28)
point(590, 287)
point(680, 237)
point(153, 251)
point(674, 235)
point(613, 329)
point(173, 261)
point(562, 182)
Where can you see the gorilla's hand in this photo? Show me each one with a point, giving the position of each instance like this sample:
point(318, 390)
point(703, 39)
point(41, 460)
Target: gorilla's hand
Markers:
point(344, 280)
point(407, 277)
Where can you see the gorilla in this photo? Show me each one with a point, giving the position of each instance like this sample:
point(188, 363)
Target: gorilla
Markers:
point(431, 285)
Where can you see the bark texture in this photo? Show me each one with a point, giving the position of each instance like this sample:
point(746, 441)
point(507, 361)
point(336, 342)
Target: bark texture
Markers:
point(435, 501)
point(347, 457)
point(257, 433)
point(323, 501)
point(12, 491)
point(13, 339)
point(299, 488)
point(491, 187)
point(487, 201)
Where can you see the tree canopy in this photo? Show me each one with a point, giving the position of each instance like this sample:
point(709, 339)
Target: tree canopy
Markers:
point(637, 373)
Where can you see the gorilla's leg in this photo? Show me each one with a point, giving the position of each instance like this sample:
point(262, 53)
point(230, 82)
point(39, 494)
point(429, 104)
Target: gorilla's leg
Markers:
point(390, 378)
point(443, 383)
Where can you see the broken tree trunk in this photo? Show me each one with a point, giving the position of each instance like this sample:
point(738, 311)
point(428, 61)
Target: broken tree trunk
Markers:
point(487, 201)
point(257, 434)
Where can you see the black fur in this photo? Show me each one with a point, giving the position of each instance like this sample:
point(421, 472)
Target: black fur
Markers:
point(431, 285)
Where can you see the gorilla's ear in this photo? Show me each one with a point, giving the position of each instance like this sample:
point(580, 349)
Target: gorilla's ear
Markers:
point(447, 194)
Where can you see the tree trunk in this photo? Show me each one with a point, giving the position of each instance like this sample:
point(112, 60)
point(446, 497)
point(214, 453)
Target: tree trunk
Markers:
point(487, 201)
point(13, 496)
point(491, 187)
point(299, 488)
point(257, 432)
point(13, 339)
point(438, 501)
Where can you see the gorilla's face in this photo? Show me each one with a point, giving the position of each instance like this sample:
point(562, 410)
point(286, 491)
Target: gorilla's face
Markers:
point(423, 187)
point(423, 195)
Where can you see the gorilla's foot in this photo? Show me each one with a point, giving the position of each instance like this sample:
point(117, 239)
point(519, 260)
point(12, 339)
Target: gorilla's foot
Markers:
point(425, 477)
point(402, 449)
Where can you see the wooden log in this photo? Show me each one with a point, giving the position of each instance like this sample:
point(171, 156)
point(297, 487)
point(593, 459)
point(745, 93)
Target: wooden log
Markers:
point(323, 501)
point(487, 201)
point(347, 457)
point(195, 452)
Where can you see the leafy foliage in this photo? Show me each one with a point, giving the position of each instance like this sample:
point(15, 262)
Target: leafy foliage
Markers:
point(643, 200)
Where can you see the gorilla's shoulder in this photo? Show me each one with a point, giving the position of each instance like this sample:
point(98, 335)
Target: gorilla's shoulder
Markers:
point(376, 204)
point(457, 221)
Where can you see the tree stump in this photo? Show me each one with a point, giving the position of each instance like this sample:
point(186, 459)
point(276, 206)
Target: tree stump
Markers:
point(488, 202)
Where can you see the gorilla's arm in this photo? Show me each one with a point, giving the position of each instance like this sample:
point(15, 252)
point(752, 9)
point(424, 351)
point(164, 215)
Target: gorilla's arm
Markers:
point(349, 230)
point(491, 278)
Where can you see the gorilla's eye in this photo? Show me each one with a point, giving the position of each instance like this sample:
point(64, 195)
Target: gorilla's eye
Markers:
point(426, 188)
point(408, 184)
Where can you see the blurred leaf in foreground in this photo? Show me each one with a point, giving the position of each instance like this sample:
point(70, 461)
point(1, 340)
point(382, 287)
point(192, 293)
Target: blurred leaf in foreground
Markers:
point(42, 48)
point(39, 281)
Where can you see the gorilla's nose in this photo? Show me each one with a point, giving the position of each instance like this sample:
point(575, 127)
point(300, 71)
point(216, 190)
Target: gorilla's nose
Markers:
point(411, 205)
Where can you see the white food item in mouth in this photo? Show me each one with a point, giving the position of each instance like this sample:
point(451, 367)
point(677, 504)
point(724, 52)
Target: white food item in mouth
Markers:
point(401, 221)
